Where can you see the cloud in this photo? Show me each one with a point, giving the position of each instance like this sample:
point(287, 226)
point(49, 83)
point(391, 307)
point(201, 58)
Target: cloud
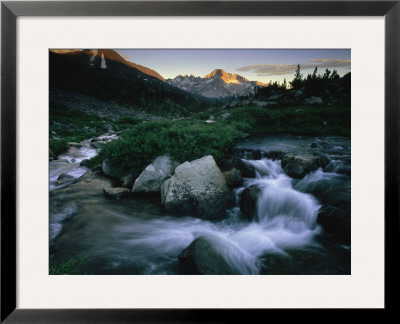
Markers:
point(282, 69)
point(269, 69)
point(325, 63)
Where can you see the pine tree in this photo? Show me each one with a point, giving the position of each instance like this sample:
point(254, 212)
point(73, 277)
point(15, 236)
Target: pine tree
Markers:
point(327, 74)
point(314, 75)
point(334, 75)
point(297, 82)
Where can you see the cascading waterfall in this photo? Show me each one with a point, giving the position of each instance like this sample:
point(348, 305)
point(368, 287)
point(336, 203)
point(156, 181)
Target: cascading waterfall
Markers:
point(285, 218)
point(136, 237)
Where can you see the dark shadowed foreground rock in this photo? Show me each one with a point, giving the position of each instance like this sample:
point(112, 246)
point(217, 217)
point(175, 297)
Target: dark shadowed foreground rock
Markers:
point(116, 193)
point(197, 187)
point(336, 220)
point(113, 170)
point(247, 171)
point(248, 201)
point(127, 181)
point(233, 178)
point(274, 155)
point(152, 178)
point(298, 165)
point(202, 258)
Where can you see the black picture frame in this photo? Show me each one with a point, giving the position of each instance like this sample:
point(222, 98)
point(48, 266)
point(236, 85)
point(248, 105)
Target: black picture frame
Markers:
point(10, 10)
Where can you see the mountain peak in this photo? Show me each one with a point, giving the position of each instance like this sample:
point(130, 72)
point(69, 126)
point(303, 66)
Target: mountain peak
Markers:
point(216, 73)
point(226, 77)
point(217, 84)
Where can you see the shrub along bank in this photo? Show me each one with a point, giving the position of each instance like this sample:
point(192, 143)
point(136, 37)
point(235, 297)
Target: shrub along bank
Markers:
point(74, 126)
point(190, 139)
point(186, 140)
point(141, 142)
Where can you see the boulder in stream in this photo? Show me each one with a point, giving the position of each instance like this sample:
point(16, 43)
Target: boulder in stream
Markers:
point(113, 170)
point(127, 181)
point(298, 165)
point(246, 170)
point(152, 178)
point(116, 193)
point(198, 188)
point(74, 144)
point(336, 220)
point(63, 178)
point(202, 258)
point(248, 201)
point(233, 178)
point(84, 163)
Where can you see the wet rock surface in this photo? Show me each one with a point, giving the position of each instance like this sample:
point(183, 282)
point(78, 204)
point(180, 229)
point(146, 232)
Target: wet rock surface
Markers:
point(197, 187)
point(202, 258)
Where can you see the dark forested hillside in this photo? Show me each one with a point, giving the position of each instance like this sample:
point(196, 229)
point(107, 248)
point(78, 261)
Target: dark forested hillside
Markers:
point(107, 76)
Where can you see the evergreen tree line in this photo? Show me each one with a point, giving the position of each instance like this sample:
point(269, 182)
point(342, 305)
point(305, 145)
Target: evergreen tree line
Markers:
point(314, 84)
point(315, 81)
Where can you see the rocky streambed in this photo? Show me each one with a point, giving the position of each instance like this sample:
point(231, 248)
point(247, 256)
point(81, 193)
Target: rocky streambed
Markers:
point(277, 205)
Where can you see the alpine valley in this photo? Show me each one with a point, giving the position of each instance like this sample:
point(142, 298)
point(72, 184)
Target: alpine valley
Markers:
point(213, 175)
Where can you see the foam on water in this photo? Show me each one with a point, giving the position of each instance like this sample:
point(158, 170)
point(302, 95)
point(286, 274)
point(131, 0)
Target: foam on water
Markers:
point(74, 155)
point(285, 218)
point(125, 237)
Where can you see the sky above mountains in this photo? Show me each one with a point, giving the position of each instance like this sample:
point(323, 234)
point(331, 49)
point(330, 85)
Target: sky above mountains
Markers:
point(254, 64)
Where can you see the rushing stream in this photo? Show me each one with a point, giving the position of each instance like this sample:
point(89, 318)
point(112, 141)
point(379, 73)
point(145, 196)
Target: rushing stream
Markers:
point(135, 236)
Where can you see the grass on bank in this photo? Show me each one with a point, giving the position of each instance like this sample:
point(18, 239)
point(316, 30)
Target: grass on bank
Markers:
point(188, 139)
point(300, 120)
point(68, 125)
point(71, 267)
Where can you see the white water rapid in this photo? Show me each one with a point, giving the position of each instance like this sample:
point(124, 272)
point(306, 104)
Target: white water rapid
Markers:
point(135, 236)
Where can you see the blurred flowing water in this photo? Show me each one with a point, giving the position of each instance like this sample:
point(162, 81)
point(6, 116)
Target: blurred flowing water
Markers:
point(135, 236)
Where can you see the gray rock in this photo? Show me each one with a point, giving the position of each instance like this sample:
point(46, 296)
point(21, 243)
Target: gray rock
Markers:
point(152, 178)
point(64, 176)
point(247, 171)
point(297, 93)
point(260, 103)
point(84, 162)
point(127, 181)
point(197, 187)
point(274, 155)
point(248, 201)
point(335, 219)
point(61, 161)
point(225, 115)
point(313, 101)
point(233, 178)
point(74, 144)
point(116, 193)
point(276, 97)
point(298, 165)
point(201, 257)
point(113, 170)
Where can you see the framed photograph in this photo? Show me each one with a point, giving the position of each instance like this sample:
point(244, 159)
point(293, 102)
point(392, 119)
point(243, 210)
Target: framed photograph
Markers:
point(170, 161)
